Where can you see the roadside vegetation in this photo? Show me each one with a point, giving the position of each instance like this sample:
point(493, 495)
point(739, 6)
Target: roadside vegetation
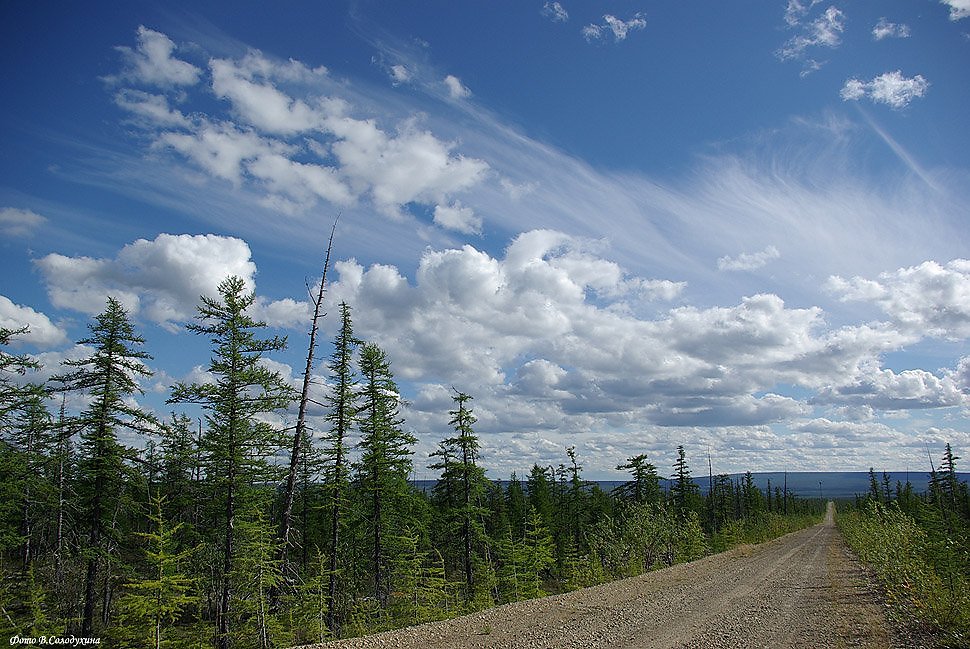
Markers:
point(918, 545)
point(232, 530)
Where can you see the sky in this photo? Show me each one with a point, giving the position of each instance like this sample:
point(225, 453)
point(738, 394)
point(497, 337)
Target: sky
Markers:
point(622, 226)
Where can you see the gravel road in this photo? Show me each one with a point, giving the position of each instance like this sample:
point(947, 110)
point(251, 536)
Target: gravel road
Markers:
point(801, 590)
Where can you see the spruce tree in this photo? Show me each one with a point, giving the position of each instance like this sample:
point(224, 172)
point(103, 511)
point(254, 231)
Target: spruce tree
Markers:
point(238, 442)
point(108, 377)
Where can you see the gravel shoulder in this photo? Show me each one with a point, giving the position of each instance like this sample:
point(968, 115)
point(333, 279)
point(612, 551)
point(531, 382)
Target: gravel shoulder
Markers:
point(801, 590)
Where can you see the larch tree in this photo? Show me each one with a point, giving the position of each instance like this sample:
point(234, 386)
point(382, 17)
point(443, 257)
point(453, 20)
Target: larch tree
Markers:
point(108, 378)
point(238, 442)
point(384, 465)
point(341, 415)
point(468, 479)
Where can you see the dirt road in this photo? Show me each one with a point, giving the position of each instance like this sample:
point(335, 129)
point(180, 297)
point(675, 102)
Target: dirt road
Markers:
point(802, 590)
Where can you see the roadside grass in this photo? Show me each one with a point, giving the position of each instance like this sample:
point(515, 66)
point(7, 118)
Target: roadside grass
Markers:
point(922, 565)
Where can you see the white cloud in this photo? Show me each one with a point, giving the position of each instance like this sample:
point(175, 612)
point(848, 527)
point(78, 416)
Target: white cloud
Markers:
point(455, 87)
point(400, 74)
point(891, 88)
point(152, 63)
point(15, 222)
point(291, 140)
point(458, 217)
point(153, 108)
point(888, 390)
point(959, 9)
point(885, 29)
point(555, 12)
point(928, 299)
point(824, 31)
point(42, 332)
point(748, 260)
point(160, 279)
point(615, 26)
point(248, 85)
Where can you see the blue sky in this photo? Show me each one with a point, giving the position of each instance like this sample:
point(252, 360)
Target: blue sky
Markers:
point(622, 226)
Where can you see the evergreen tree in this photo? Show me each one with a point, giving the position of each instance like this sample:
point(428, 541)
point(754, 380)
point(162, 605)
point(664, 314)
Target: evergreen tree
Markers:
point(684, 490)
point(538, 549)
point(12, 392)
point(341, 415)
point(469, 480)
point(384, 465)
point(108, 377)
point(516, 505)
point(237, 443)
point(645, 485)
point(155, 602)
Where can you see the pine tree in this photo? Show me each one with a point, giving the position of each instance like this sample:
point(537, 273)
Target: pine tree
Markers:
point(384, 464)
point(108, 377)
point(237, 443)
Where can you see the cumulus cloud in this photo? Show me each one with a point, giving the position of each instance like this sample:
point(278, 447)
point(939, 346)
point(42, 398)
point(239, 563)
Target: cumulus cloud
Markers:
point(888, 390)
point(555, 12)
point(929, 299)
point(547, 335)
point(748, 260)
point(959, 9)
point(456, 89)
point(458, 217)
point(41, 331)
point(151, 62)
point(891, 88)
point(15, 222)
point(885, 29)
point(160, 279)
point(614, 26)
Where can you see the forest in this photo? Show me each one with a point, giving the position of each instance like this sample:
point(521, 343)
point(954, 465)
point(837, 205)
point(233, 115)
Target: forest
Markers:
point(231, 531)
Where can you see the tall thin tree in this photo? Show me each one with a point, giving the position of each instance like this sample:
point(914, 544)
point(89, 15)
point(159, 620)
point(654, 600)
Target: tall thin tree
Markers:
point(109, 377)
point(299, 435)
point(238, 442)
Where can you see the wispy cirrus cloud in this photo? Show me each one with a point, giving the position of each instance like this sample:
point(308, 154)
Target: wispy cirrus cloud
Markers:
point(16, 222)
point(555, 12)
point(612, 26)
point(885, 29)
point(825, 30)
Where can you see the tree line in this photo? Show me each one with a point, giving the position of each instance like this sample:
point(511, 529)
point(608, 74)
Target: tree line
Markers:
point(233, 531)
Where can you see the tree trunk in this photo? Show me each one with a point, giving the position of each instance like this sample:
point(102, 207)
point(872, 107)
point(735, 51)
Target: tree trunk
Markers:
point(287, 512)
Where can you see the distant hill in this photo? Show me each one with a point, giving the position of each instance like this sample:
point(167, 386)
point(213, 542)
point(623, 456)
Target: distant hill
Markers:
point(805, 484)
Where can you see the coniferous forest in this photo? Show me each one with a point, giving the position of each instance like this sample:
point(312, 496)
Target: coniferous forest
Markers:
point(228, 531)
